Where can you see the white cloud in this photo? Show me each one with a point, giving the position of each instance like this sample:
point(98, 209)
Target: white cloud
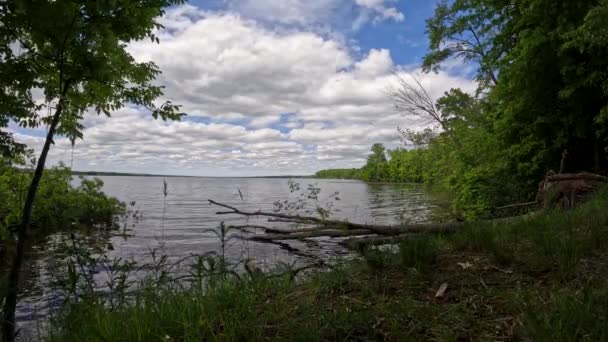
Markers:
point(312, 13)
point(260, 101)
point(286, 11)
point(382, 9)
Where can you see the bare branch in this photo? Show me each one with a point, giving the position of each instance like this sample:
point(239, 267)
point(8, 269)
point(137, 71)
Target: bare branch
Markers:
point(234, 210)
point(411, 98)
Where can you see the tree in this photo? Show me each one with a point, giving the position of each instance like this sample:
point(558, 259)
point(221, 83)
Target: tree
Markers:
point(376, 167)
point(416, 139)
point(74, 51)
point(542, 69)
point(472, 30)
point(554, 92)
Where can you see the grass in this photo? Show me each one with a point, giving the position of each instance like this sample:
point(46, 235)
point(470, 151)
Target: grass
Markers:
point(540, 278)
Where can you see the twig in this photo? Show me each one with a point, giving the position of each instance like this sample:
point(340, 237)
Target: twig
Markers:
point(517, 205)
point(234, 210)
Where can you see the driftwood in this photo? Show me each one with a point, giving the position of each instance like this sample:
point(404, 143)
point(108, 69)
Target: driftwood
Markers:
point(273, 230)
point(332, 233)
point(357, 234)
point(330, 228)
point(347, 225)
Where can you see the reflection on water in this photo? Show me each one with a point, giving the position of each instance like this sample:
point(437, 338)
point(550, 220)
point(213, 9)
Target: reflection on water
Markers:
point(176, 225)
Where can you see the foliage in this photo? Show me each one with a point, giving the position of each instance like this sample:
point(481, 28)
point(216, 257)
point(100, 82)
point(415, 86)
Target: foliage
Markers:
point(543, 88)
point(73, 52)
point(61, 204)
point(400, 167)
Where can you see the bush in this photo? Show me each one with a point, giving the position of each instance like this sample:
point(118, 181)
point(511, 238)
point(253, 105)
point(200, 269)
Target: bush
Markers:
point(58, 205)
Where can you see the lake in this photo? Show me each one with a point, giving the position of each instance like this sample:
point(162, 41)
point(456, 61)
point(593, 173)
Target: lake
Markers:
point(178, 225)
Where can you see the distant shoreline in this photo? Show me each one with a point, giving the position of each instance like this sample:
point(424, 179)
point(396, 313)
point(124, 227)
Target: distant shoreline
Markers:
point(126, 174)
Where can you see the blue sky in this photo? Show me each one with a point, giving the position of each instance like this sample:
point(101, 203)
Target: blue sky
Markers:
point(270, 87)
point(406, 39)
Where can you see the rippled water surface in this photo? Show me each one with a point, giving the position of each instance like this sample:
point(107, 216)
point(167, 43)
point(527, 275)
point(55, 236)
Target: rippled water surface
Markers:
point(177, 226)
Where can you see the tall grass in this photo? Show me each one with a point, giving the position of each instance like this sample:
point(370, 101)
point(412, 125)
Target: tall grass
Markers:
point(542, 277)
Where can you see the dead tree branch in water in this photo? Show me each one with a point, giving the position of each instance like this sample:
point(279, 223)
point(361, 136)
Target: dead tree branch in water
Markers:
point(329, 228)
point(357, 234)
point(346, 225)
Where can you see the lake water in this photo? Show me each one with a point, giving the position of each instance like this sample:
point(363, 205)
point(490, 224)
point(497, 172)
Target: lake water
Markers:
point(178, 225)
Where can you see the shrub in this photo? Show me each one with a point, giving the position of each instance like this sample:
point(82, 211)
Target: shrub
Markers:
point(59, 204)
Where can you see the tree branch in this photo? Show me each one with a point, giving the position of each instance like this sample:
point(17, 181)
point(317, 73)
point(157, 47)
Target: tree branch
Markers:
point(346, 225)
point(332, 233)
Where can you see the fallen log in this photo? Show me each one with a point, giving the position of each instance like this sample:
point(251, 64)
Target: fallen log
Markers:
point(397, 234)
point(347, 225)
point(577, 176)
point(275, 220)
point(275, 230)
point(332, 233)
point(356, 243)
point(359, 234)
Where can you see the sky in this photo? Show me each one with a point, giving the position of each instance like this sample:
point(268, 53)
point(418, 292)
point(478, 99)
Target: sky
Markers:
point(270, 87)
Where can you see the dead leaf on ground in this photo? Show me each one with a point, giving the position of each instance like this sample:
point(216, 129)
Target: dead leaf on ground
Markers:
point(441, 291)
point(465, 265)
point(501, 270)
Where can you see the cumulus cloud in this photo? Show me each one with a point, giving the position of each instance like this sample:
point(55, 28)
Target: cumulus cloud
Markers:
point(382, 9)
point(316, 12)
point(260, 101)
point(286, 11)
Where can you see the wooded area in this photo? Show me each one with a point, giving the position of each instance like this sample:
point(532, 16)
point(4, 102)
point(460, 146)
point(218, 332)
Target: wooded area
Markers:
point(542, 75)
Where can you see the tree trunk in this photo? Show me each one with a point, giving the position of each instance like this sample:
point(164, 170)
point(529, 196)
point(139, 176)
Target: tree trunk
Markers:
point(596, 156)
point(8, 324)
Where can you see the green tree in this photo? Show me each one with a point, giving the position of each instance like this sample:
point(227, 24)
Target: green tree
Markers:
point(471, 30)
point(376, 167)
point(75, 52)
point(554, 92)
point(542, 67)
